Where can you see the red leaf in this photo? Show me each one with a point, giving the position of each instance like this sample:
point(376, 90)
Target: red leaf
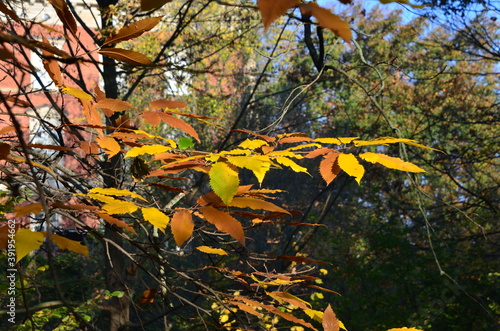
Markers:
point(4, 150)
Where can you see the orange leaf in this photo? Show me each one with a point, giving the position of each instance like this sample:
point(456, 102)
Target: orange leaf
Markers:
point(328, 20)
point(7, 11)
point(51, 147)
point(318, 152)
point(254, 203)
point(133, 30)
point(329, 168)
point(272, 9)
point(92, 115)
point(34, 208)
point(147, 296)
point(167, 104)
point(68, 244)
point(182, 226)
point(109, 145)
point(89, 148)
point(179, 124)
point(124, 55)
point(151, 117)
point(115, 221)
point(330, 321)
point(224, 223)
point(113, 104)
point(64, 15)
point(51, 65)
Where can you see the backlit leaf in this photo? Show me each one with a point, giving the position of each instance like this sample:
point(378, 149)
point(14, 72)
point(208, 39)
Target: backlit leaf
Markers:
point(350, 164)
point(116, 192)
point(76, 92)
point(151, 117)
point(211, 250)
point(64, 15)
point(119, 207)
point(133, 30)
point(156, 217)
point(185, 143)
point(147, 149)
point(26, 242)
point(224, 223)
point(258, 164)
point(224, 180)
point(330, 321)
point(390, 162)
point(328, 20)
point(113, 104)
point(167, 104)
point(179, 124)
point(116, 221)
point(109, 145)
point(329, 168)
point(406, 2)
point(51, 65)
point(254, 203)
point(289, 298)
point(124, 55)
point(252, 144)
point(291, 164)
point(271, 10)
point(68, 244)
point(182, 226)
point(34, 208)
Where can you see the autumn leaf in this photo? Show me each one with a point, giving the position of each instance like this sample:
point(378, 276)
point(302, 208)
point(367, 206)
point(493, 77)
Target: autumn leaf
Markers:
point(179, 124)
point(151, 117)
point(147, 5)
point(328, 20)
point(133, 30)
point(211, 250)
point(51, 65)
point(405, 329)
point(34, 208)
point(147, 149)
point(330, 321)
point(109, 145)
point(289, 298)
point(156, 217)
point(254, 203)
point(68, 244)
point(390, 162)
point(116, 192)
point(4, 150)
point(76, 92)
point(182, 226)
point(258, 164)
point(350, 164)
point(329, 168)
point(124, 55)
point(115, 221)
point(405, 2)
point(7, 11)
point(119, 207)
point(224, 180)
point(64, 14)
point(26, 242)
point(148, 296)
point(114, 105)
point(271, 10)
point(167, 104)
point(224, 223)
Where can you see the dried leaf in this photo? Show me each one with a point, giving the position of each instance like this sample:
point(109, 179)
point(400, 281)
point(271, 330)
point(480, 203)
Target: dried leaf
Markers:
point(182, 226)
point(289, 298)
point(7, 11)
point(4, 150)
point(271, 10)
point(328, 20)
point(51, 147)
point(64, 14)
point(406, 2)
point(224, 180)
point(224, 223)
point(133, 30)
point(301, 259)
point(124, 55)
point(330, 321)
point(51, 66)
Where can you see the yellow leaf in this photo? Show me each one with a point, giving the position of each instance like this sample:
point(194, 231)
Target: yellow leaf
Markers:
point(295, 148)
point(289, 298)
point(314, 314)
point(156, 217)
point(147, 149)
point(236, 152)
point(252, 144)
point(289, 163)
point(26, 242)
point(182, 226)
point(109, 145)
point(116, 192)
point(224, 180)
point(76, 92)
point(258, 164)
point(350, 164)
point(210, 250)
point(390, 162)
point(119, 207)
point(404, 329)
point(70, 245)
point(336, 141)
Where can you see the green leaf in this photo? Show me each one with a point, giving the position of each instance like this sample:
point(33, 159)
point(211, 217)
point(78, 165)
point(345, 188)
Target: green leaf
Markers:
point(224, 180)
point(185, 143)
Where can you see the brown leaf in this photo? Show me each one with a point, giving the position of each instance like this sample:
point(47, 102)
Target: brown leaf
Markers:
point(109, 106)
point(51, 65)
point(64, 14)
point(288, 140)
point(133, 30)
point(126, 56)
point(147, 5)
point(330, 321)
point(4, 150)
point(328, 20)
point(272, 9)
point(182, 226)
point(147, 296)
point(151, 117)
point(7, 11)
point(224, 223)
point(51, 147)
point(179, 124)
point(329, 168)
point(34, 208)
point(167, 104)
point(267, 139)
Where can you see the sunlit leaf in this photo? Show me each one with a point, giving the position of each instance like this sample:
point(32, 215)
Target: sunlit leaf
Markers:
point(390, 162)
point(109, 145)
point(211, 250)
point(116, 192)
point(328, 20)
point(51, 65)
point(350, 164)
point(404, 329)
point(224, 223)
point(182, 226)
point(76, 92)
point(179, 124)
point(133, 30)
point(119, 207)
point(114, 105)
point(124, 55)
point(147, 149)
point(156, 217)
point(271, 10)
point(254, 203)
point(167, 104)
point(64, 15)
point(289, 298)
point(258, 164)
point(185, 143)
point(329, 168)
point(26, 242)
point(405, 2)
point(224, 180)
point(330, 321)
point(252, 144)
point(291, 164)
point(115, 221)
